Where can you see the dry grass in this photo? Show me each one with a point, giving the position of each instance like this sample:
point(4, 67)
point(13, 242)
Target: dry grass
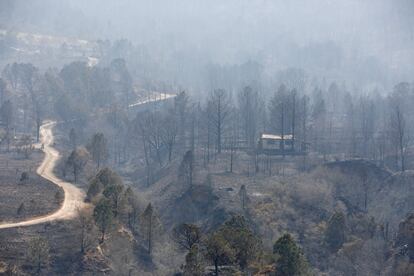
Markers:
point(36, 194)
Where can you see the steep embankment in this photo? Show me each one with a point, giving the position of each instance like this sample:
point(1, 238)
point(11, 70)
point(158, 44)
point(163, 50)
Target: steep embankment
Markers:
point(389, 195)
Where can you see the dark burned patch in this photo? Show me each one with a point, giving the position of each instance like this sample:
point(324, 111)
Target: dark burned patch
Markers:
point(360, 167)
point(195, 204)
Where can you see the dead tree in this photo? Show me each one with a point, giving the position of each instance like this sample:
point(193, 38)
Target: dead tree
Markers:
point(399, 132)
point(169, 133)
point(249, 110)
point(220, 103)
point(6, 115)
point(277, 108)
point(141, 135)
point(244, 199)
point(186, 170)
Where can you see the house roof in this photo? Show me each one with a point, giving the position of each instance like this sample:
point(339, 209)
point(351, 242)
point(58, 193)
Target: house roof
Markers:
point(276, 137)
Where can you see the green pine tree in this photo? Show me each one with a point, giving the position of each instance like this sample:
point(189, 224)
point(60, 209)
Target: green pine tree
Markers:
point(290, 259)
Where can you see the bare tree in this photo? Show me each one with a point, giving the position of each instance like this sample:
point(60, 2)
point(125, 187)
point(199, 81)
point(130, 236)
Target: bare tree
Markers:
point(123, 79)
point(142, 136)
point(25, 146)
point(28, 75)
point(220, 102)
point(367, 117)
point(6, 114)
point(249, 110)
point(278, 109)
point(319, 122)
point(207, 132)
point(169, 132)
point(304, 117)
point(186, 169)
point(293, 94)
point(153, 130)
point(10, 73)
point(244, 199)
point(38, 118)
point(180, 110)
point(2, 90)
point(186, 235)
point(399, 132)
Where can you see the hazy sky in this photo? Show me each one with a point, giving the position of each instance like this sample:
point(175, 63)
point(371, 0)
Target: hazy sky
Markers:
point(233, 31)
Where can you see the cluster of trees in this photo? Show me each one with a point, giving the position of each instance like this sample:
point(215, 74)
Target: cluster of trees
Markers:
point(75, 92)
point(235, 247)
point(116, 203)
point(332, 122)
point(96, 150)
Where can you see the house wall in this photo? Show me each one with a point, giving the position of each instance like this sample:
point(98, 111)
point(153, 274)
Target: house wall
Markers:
point(270, 144)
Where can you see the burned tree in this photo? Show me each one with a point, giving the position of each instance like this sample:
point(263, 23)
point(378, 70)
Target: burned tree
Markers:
point(169, 133)
point(277, 109)
point(6, 114)
point(186, 169)
point(219, 100)
point(398, 132)
point(249, 110)
point(244, 199)
point(186, 235)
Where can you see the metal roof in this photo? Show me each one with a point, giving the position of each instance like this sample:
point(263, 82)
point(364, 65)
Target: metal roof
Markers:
point(276, 137)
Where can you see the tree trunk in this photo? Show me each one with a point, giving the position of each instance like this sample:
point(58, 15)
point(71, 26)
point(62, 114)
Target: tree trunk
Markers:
point(219, 126)
point(231, 159)
point(150, 237)
point(216, 272)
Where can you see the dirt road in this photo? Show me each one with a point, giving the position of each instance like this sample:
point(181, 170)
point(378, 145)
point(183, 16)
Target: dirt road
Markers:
point(74, 196)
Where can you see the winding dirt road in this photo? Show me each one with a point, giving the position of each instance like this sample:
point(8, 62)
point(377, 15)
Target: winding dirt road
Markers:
point(74, 196)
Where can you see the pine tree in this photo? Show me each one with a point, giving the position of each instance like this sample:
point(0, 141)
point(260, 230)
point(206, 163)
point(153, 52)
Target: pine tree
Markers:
point(219, 251)
point(193, 262)
point(290, 260)
point(151, 226)
point(335, 232)
point(103, 216)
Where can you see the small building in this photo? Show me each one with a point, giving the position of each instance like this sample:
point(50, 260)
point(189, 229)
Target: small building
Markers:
point(276, 143)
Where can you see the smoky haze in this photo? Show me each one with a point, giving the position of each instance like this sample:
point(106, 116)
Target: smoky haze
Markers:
point(366, 43)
